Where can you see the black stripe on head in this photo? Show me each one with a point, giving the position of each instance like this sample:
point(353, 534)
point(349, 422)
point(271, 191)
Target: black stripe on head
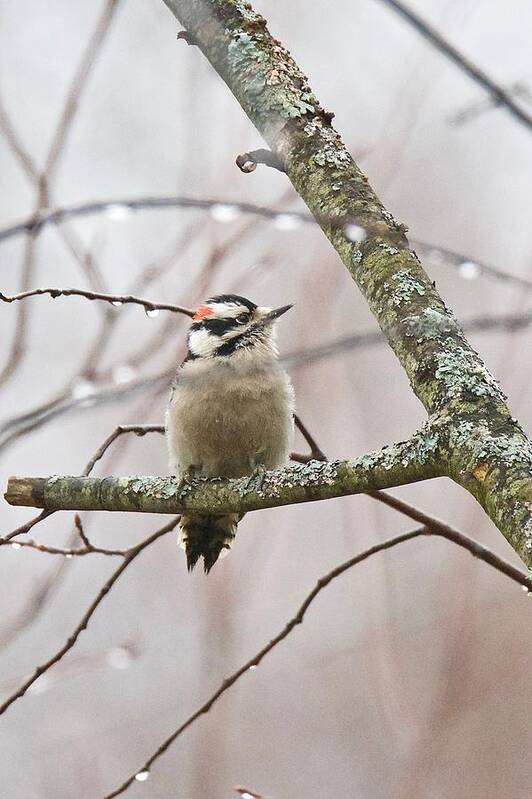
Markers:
point(215, 326)
point(233, 298)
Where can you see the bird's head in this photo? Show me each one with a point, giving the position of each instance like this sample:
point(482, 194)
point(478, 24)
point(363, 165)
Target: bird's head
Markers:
point(228, 324)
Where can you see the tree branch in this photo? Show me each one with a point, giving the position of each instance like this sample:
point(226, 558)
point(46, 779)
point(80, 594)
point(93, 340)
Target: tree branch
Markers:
point(500, 96)
point(476, 549)
point(130, 556)
point(113, 299)
point(478, 442)
point(286, 220)
point(395, 465)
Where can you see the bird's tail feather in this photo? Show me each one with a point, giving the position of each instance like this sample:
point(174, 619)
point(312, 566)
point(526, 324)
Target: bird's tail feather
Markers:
point(206, 536)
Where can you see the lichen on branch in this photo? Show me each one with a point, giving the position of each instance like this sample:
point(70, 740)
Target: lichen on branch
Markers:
point(394, 465)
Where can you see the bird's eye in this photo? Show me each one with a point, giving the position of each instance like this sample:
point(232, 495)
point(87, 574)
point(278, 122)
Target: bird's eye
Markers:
point(242, 319)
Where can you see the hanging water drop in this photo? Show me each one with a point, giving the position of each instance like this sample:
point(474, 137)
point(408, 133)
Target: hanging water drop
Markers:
point(142, 776)
point(468, 270)
point(82, 388)
point(151, 312)
point(123, 374)
point(223, 212)
point(118, 211)
point(286, 221)
point(119, 658)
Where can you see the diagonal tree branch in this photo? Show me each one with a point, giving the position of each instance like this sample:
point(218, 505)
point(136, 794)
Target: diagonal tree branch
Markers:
point(498, 93)
point(476, 549)
point(100, 596)
point(479, 444)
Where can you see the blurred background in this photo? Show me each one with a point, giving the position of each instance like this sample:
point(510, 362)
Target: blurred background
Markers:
point(409, 677)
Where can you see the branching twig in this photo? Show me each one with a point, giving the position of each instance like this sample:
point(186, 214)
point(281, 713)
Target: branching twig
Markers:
point(130, 556)
point(454, 536)
point(69, 553)
point(137, 429)
point(42, 181)
point(500, 96)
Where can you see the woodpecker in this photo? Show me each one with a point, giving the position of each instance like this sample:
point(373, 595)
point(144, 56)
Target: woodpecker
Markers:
point(230, 411)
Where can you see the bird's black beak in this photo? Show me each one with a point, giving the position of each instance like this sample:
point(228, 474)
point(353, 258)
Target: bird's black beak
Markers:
point(275, 314)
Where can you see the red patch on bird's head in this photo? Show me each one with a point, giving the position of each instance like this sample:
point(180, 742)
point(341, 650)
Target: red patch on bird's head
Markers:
point(202, 312)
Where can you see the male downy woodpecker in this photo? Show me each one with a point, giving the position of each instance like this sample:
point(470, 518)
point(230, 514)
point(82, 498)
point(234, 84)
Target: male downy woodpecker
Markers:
point(230, 411)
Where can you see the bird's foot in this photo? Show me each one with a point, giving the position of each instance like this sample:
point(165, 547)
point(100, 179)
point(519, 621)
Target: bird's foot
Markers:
point(187, 477)
point(256, 478)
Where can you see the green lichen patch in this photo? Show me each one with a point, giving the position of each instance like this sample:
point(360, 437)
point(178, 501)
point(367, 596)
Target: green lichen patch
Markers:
point(403, 284)
point(274, 83)
point(462, 374)
point(330, 149)
point(429, 325)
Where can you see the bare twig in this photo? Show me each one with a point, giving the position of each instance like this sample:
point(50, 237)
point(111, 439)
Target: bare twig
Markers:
point(485, 323)
point(500, 96)
point(114, 299)
point(285, 220)
point(78, 85)
point(247, 162)
point(69, 553)
point(14, 143)
point(476, 549)
point(130, 556)
point(245, 793)
point(153, 203)
point(472, 110)
point(137, 429)
point(315, 451)
point(42, 181)
point(35, 602)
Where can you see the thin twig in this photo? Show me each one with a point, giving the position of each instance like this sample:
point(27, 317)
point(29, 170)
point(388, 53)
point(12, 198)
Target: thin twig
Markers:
point(69, 553)
point(456, 537)
point(42, 180)
point(149, 202)
point(116, 299)
point(500, 96)
point(130, 556)
point(137, 429)
point(286, 220)
point(78, 85)
point(247, 162)
point(315, 451)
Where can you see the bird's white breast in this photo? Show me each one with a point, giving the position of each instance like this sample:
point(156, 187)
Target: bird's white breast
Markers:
point(228, 415)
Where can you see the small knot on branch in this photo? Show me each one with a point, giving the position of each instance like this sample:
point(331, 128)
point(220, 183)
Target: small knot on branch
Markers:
point(247, 162)
point(327, 116)
point(189, 38)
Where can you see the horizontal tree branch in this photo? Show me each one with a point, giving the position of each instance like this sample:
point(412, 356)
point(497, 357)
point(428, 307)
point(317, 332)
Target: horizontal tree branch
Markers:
point(285, 219)
point(113, 299)
point(398, 464)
